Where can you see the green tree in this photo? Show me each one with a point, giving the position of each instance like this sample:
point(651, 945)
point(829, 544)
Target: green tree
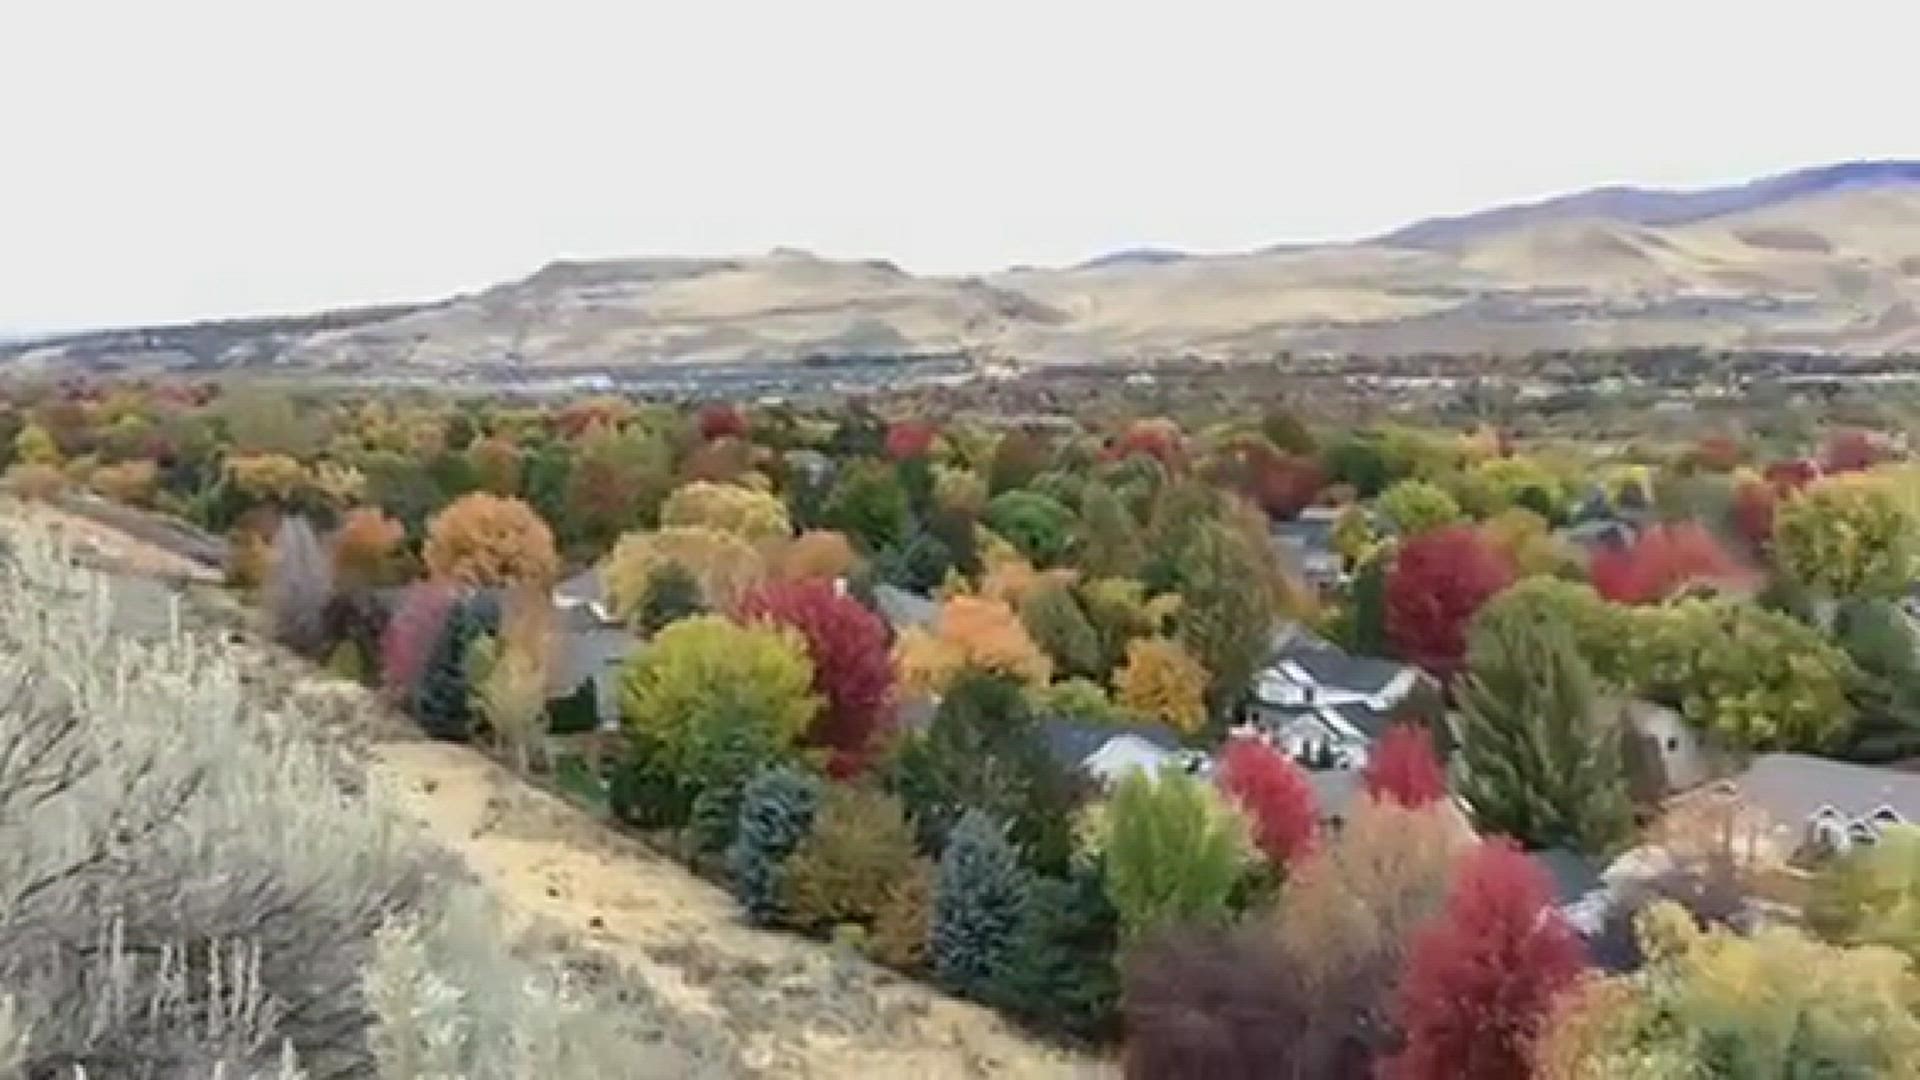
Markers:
point(776, 814)
point(984, 752)
point(714, 695)
point(1871, 895)
point(1224, 622)
point(1542, 765)
point(1415, 506)
point(1109, 537)
point(860, 845)
point(980, 898)
point(1847, 536)
point(1058, 625)
point(869, 505)
point(1042, 528)
point(1175, 851)
point(1757, 679)
point(1284, 429)
point(672, 593)
point(1603, 633)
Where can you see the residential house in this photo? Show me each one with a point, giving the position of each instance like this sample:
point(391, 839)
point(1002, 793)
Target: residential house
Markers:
point(1317, 702)
point(1666, 755)
point(1307, 543)
point(1579, 890)
point(903, 609)
point(585, 592)
point(1817, 806)
point(1106, 753)
point(589, 655)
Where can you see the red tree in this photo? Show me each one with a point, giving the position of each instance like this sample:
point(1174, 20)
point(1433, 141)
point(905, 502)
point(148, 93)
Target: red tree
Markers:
point(1403, 768)
point(1157, 438)
point(720, 420)
point(1481, 978)
point(1438, 581)
point(1662, 561)
point(1276, 795)
point(852, 670)
point(1852, 450)
point(1753, 505)
point(909, 439)
point(1786, 476)
point(1278, 483)
point(411, 635)
point(1717, 453)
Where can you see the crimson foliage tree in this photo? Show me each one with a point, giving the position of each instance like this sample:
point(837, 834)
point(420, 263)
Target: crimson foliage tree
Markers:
point(1786, 476)
point(1482, 977)
point(720, 420)
point(851, 668)
point(908, 439)
point(1752, 513)
point(1276, 796)
point(411, 636)
point(1439, 579)
point(1663, 561)
point(1403, 768)
point(1852, 450)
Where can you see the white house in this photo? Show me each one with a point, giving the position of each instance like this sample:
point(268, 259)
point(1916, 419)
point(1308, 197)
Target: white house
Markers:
point(1316, 701)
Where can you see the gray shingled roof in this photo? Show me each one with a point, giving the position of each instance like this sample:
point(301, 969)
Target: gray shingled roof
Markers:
point(1072, 742)
point(902, 609)
point(1791, 788)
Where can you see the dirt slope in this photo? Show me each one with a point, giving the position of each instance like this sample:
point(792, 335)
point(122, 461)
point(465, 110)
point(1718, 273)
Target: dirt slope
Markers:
point(799, 1008)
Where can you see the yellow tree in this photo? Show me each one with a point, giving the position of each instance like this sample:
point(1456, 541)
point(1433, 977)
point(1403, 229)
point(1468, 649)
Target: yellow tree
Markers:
point(754, 516)
point(724, 565)
point(1846, 536)
point(1160, 680)
point(486, 540)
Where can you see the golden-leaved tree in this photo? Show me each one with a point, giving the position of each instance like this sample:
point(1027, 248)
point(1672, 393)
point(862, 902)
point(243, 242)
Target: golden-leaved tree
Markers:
point(488, 541)
point(970, 633)
point(1162, 681)
point(724, 566)
point(754, 516)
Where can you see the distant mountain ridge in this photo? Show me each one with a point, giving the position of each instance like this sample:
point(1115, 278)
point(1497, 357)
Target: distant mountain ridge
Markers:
point(1818, 260)
point(1659, 206)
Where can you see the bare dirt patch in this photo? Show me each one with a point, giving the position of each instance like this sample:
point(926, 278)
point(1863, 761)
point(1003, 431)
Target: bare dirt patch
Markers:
point(798, 1007)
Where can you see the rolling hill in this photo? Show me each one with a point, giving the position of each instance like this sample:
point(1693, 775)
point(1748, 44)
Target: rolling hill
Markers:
point(1824, 259)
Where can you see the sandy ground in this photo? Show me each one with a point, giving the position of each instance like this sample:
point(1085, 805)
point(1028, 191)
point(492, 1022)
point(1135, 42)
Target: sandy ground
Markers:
point(798, 1007)
point(795, 1007)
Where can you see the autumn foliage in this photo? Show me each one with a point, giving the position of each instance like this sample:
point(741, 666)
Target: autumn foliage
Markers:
point(1275, 794)
point(412, 635)
point(363, 546)
point(1662, 561)
point(1852, 450)
point(1482, 978)
point(720, 420)
point(909, 439)
point(1439, 579)
point(1161, 680)
point(816, 553)
point(851, 671)
point(1752, 512)
point(970, 634)
point(486, 540)
point(1402, 768)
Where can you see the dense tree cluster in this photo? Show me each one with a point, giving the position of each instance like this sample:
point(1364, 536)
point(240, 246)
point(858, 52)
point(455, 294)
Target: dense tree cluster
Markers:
point(847, 659)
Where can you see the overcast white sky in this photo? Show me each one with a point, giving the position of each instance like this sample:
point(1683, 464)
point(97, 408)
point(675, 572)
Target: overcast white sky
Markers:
point(193, 158)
